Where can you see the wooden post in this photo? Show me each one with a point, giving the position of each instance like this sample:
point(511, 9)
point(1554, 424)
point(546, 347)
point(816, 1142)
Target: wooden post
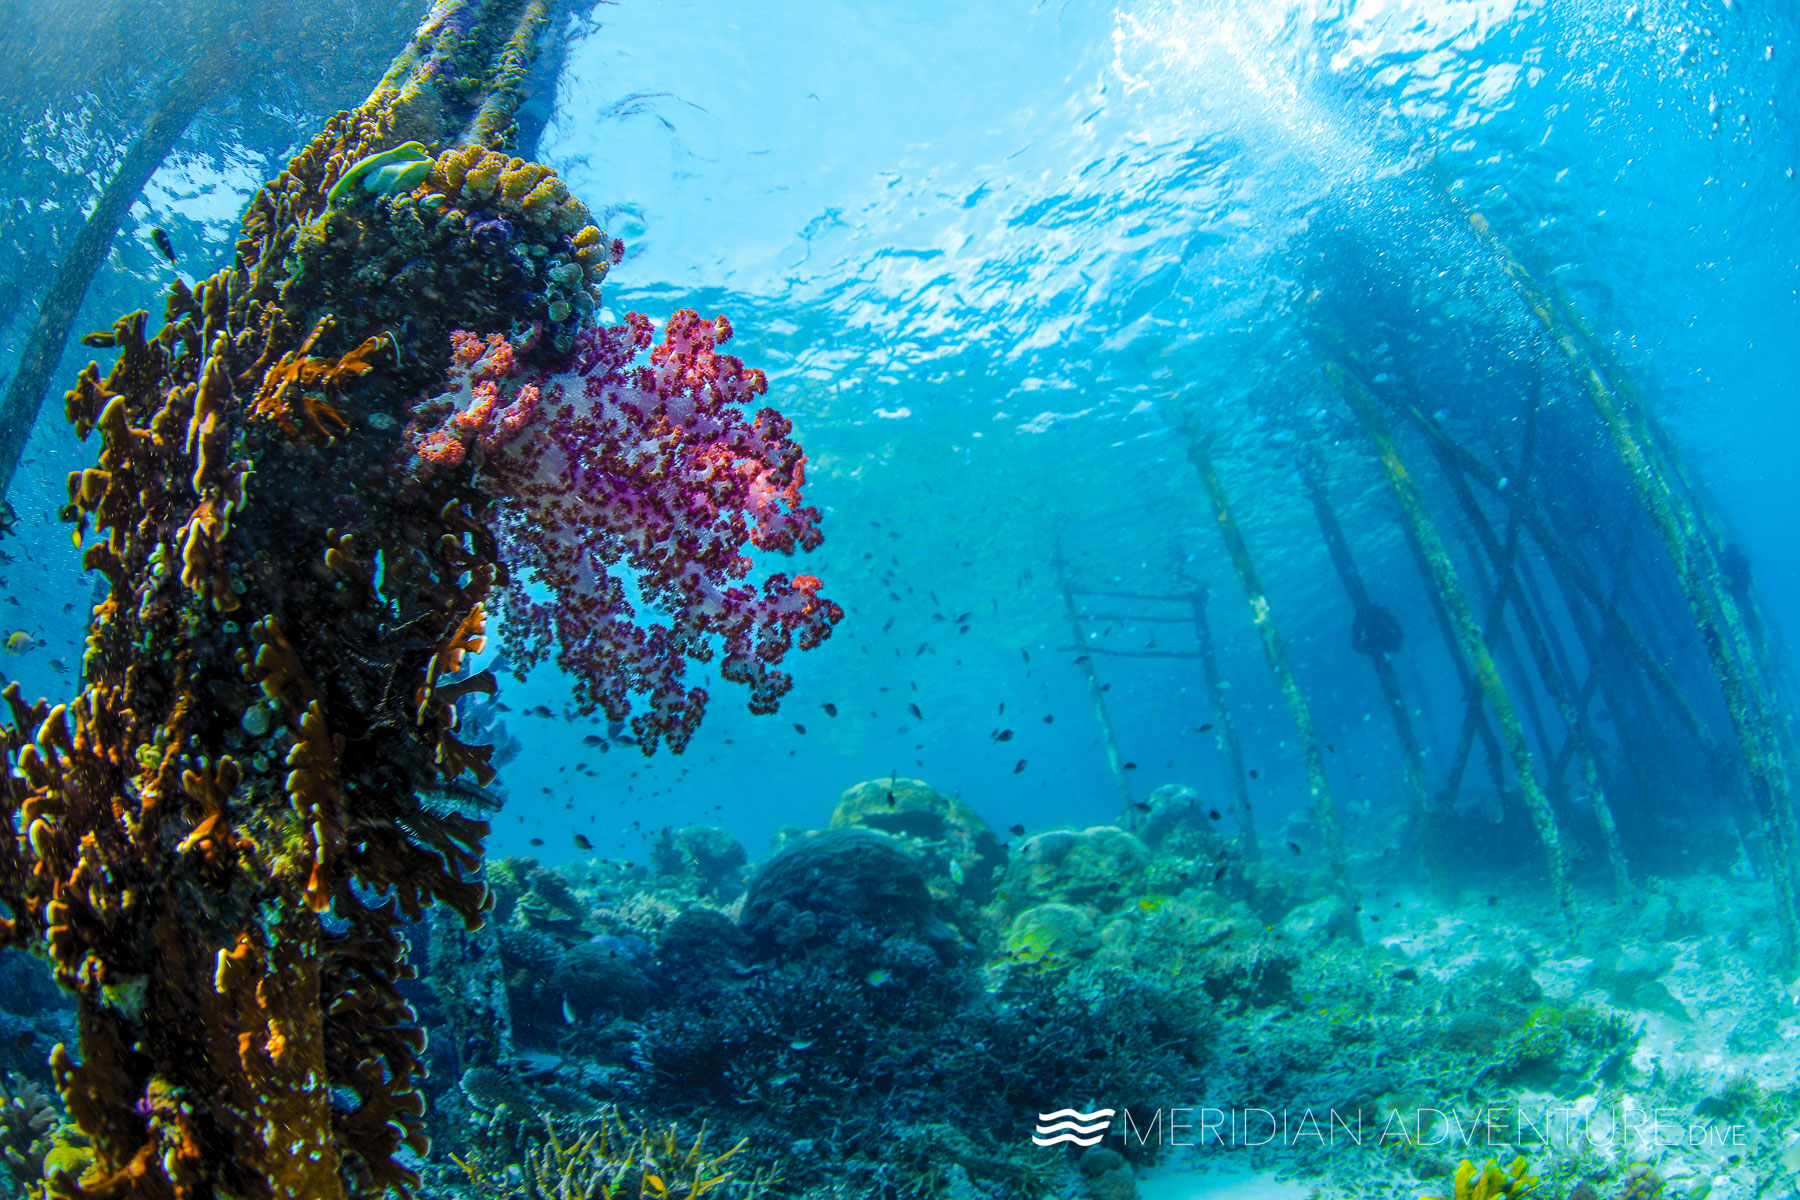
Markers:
point(1443, 575)
point(61, 302)
point(1225, 726)
point(1573, 715)
point(1085, 663)
point(1661, 489)
point(1324, 808)
point(1430, 853)
point(1575, 575)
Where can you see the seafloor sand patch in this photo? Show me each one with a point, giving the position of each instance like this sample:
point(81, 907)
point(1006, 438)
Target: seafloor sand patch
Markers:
point(1213, 1181)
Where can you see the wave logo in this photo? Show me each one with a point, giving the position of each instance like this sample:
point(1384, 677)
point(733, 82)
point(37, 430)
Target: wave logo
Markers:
point(1067, 1125)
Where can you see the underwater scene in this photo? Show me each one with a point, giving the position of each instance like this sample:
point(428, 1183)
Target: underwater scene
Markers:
point(1058, 600)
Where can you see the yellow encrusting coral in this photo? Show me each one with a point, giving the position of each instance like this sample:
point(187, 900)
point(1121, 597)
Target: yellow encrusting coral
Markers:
point(1489, 1182)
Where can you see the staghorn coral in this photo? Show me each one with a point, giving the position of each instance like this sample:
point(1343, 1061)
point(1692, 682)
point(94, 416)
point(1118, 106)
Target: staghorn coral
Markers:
point(610, 1159)
point(28, 1122)
point(223, 832)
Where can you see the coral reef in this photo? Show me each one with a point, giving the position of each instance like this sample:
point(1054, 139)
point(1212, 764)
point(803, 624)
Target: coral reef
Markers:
point(224, 833)
point(838, 977)
point(1102, 867)
point(940, 828)
point(27, 1121)
point(606, 1157)
point(821, 886)
point(703, 861)
point(1489, 1182)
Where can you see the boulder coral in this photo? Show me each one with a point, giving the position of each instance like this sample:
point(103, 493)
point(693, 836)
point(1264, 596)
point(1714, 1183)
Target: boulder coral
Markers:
point(941, 828)
point(1102, 868)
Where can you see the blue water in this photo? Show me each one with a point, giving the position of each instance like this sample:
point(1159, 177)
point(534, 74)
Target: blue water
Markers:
point(1001, 264)
point(989, 256)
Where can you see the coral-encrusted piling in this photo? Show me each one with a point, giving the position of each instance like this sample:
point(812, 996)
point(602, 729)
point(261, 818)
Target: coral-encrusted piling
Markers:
point(222, 833)
point(1435, 560)
point(1378, 652)
point(1275, 649)
point(1666, 494)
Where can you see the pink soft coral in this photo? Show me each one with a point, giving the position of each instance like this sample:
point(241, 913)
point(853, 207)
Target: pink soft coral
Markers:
point(627, 486)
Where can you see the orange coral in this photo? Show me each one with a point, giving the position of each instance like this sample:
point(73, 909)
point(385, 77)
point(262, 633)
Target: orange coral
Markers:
point(260, 712)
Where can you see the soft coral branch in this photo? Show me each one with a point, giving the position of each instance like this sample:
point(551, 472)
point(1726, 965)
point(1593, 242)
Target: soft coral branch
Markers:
point(630, 489)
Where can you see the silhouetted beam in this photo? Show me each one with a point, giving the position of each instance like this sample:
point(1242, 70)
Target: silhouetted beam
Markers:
point(61, 302)
point(1535, 595)
point(1575, 573)
point(1729, 644)
point(1573, 715)
point(1324, 807)
point(1443, 574)
point(1413, 762)
point(1226, 728)
point(1084, 661)
point(1495, 601)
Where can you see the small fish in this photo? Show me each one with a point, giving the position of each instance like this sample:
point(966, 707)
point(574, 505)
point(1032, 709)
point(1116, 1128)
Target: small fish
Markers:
point(568, 1013)
point(1050, 718)
point(796, 1044)
point(582, 843)
point(539, 710)
point(887, 625)
point(1002, 735)
point(100, 339)
point(1150, 904)
point(1141, 805)
point(1206, 729)
point(1253, 774)
point(1016, 830)
point(956, 871)
point(1330, 749)
point(1002, 711)
point(537, 841)
point(57, 665)
point(799, 729)
point(890, 797)
point(160, 240)
point(1294, 846)
point(1213, 813)
point(1026, 655)
point(1131, 766)
point(878, 976)
point(21, 643)
point(1219, 874)
point(914, 710)
point(1019, 767)
point(593, 739)
point(830, 709)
